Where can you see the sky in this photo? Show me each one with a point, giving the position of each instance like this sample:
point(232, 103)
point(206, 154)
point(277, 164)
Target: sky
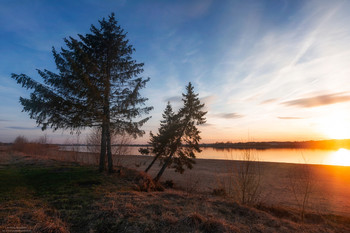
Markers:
point(267, 70)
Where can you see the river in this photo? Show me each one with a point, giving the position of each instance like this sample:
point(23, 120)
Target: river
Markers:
point(309, 156)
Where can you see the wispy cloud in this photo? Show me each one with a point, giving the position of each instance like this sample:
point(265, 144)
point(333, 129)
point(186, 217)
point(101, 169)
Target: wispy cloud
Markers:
point(174, 99)
point(291, 60)
point(290, 118)
point(207, 125)
point(228, 115)
point(208, 102)
point(22, 128)
point(318, 100)
point(208, 99)
point(269, 101)
point(248, 61)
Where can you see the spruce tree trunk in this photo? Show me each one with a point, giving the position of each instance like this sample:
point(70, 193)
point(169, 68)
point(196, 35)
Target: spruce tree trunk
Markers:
point(103, 149)
point(149, 166)
point(108, 119)
point(109, 149)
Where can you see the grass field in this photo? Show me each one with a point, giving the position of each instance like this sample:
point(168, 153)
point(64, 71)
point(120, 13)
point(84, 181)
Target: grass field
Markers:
point(44, 195)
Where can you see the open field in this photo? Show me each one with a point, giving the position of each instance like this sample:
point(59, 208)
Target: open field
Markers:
point(330, 191)
point(46, 195)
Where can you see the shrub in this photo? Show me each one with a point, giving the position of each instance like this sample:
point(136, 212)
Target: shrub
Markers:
point(38, 147)
point(19, 144)
point(169, 184)
point(194, 220)
point(145, 183)
point(243, 183)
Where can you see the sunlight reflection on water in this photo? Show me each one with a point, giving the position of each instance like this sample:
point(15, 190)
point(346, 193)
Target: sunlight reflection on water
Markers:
point(310, 156)
point(340, 157)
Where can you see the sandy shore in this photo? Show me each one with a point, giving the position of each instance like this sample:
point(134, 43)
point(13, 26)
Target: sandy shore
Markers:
point(329, 185)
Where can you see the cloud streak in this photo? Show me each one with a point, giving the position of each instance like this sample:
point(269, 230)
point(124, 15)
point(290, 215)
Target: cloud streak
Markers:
point(173, 99)
point(268, 101)
point(22, 128)
point(232, 115)
point(290, 118)
point(317, 101)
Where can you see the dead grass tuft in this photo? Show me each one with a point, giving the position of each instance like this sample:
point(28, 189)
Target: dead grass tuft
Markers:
point(279, 212)
point(219, 192)
point(145, 183)
point(48, 223)
point(194, 220)
point(27, 215)
point(209, 225)
point(213, 225)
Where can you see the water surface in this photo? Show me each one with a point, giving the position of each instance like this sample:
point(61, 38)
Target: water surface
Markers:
point(310, 156)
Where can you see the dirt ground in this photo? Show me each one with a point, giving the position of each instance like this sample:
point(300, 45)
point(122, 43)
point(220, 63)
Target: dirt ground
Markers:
point(329, 190)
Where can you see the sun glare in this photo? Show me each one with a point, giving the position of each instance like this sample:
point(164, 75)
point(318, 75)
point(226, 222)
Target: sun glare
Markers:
point(336, 127)
point(340, 157)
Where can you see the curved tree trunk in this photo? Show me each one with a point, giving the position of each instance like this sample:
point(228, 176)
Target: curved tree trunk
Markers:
point(177, 145)
point(151, 164)
point(161, 171)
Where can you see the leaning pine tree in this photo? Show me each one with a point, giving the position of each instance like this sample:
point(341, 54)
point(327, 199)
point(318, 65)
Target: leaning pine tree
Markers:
point(162, 141)
point(97, 86)
point(181, 137)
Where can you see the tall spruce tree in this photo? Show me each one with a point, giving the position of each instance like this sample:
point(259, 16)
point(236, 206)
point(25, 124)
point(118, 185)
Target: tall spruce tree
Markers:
point(97, 86)
point(180, 139)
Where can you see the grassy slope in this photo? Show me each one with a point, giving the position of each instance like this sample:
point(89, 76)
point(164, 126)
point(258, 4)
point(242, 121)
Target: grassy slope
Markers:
point(50, 196)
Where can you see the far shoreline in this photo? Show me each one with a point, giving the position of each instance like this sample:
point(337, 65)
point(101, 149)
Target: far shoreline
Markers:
point(331, 144)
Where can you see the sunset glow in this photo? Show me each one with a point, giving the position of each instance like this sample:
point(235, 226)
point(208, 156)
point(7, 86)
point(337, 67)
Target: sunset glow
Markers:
point(266, 70)
point(340, 157)
point(335, 126)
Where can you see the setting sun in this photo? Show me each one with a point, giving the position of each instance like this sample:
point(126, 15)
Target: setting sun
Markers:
point(336, 127)
point(340, 157)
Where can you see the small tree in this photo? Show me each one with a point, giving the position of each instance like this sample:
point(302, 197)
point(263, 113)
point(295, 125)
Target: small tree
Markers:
point(180, 138)
point(20, 143)
point(247, 185)
point(97, 86)
point(161, 142)
point(302, 184)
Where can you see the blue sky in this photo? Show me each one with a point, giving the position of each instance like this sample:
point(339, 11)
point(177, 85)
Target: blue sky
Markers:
point(266, 70)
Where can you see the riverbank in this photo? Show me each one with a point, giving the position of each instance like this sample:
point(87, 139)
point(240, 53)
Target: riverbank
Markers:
point(329, 185)
point(45, 195)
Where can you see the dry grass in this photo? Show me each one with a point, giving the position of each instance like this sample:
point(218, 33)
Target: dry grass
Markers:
point(176, 211)
point(30, 215)
point(82, 200)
